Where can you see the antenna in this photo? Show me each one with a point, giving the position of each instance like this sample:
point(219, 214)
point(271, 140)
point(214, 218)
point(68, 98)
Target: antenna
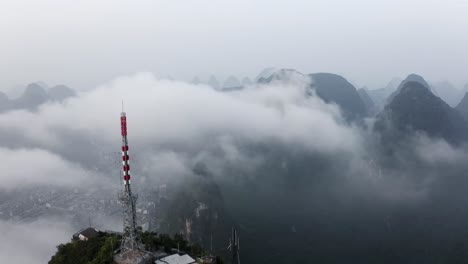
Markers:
point(127, 199)
point(234, 246)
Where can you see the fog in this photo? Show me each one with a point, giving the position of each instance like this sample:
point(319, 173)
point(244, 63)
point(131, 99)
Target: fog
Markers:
point(301, 180)
point(266, 144)
point(171, 113)
point(32, 167)
point(33, 242)
point(85, 43)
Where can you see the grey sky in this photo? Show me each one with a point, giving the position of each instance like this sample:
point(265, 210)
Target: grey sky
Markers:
point(84, 43)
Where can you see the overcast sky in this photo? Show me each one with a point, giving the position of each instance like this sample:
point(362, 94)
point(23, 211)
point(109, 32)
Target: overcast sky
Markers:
point(84, 43)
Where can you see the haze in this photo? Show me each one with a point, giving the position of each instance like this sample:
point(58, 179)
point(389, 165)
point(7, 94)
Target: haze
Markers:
point(85, 43)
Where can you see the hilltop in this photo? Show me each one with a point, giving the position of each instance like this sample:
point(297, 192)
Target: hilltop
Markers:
point(101, 248)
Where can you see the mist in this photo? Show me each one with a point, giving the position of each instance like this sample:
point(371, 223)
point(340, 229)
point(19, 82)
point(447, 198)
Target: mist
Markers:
point(329, 178)
point(33, 242)
point(343, 166)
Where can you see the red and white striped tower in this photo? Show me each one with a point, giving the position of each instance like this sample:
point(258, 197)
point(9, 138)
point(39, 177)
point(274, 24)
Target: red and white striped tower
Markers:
point(127, 199)
point(125, 157)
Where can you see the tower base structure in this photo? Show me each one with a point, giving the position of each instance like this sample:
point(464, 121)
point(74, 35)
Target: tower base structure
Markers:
point(130, 236)
point(133, 257)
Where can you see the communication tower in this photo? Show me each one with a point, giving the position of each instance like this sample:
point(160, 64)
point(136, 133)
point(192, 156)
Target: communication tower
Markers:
point(127, 198)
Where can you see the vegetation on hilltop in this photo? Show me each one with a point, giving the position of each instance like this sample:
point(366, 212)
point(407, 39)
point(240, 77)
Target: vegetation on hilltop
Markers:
point(96, 250)
point(99, 249)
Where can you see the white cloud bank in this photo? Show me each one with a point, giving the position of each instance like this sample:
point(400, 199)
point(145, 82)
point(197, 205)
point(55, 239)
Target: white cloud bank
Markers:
point(36, 242)
point(161, 111)
point(165, 113)
point(26, 167)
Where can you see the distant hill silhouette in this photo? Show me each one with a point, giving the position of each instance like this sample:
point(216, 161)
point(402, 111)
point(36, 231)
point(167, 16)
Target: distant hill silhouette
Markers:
point(231, 82)
point(283, 75)
point(379, 96)
point(368, 102)
point(60, 92)
point(246, 81)
point(4, 102)
point(462, 107)
point(265, 73)
point(35, 95)
point(410, 78)
point(213, 82)
point(334, 88)
point(448, 93)
point(416, 108)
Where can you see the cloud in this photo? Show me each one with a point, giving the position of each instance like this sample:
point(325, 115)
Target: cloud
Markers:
point(172, 125)
point(166, 115)
point(438, 151)
point(36, 242)
point(270, 142)
point(26, 167)
point(162, 111)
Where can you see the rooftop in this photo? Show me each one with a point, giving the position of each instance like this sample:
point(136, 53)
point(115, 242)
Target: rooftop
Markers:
point(176, 259)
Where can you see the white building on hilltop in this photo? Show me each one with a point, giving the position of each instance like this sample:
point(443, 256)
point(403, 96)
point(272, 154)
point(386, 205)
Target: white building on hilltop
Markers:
point(176, 259)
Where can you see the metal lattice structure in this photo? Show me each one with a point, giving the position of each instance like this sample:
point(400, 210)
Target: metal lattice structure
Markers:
point(127, 198)
point(234, 247)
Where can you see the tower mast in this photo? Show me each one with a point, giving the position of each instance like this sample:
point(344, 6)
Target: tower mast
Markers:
point(127, 198)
